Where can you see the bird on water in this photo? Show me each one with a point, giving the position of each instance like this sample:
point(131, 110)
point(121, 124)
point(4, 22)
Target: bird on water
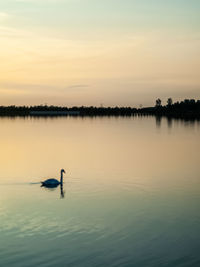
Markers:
point(53, 182)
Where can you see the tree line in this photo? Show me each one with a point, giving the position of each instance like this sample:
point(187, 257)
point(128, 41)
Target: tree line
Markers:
point(186, 108)
point(183, 109)
point(82, 111)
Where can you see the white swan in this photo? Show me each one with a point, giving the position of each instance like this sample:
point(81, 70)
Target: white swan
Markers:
point(54, 182)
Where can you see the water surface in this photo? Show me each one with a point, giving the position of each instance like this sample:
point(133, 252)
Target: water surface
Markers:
point(131, 192)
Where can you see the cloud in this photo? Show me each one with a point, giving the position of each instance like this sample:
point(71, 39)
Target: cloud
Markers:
point(12, 32)
point(42, 1)
point(4, 16)
point(38, 87)
point(77, 86)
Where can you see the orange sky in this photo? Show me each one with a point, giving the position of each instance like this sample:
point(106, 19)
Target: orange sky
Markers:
point(83, 52)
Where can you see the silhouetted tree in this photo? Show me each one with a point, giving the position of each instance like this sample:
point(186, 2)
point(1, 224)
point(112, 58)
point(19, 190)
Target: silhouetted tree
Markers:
point(169, 102)
point(158, 102)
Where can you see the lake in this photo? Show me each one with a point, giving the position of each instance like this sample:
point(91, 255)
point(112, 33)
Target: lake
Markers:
point(131, 192)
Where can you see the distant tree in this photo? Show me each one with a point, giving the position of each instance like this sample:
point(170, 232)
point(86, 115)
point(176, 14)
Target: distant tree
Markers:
point(192, 101)
point(169, 102)
point(158, 102)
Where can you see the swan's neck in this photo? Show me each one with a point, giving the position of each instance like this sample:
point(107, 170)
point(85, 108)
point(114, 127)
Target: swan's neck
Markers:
point(61, 178)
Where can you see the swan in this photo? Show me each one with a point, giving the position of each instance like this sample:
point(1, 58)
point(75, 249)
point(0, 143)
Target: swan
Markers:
point(54, 182)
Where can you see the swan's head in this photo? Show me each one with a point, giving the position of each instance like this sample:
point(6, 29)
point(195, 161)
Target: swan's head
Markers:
point(62, 171)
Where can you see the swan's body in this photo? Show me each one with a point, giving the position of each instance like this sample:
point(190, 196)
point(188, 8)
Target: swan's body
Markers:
point(53, 182)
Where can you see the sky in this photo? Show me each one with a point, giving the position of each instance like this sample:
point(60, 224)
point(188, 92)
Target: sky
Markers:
point(99, 52)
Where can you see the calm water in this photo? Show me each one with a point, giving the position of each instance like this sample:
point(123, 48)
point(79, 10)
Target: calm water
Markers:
point(132, 192)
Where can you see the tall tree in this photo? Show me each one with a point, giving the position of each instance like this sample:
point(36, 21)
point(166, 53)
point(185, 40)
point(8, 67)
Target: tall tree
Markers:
point(158, 102)
point(169, 101)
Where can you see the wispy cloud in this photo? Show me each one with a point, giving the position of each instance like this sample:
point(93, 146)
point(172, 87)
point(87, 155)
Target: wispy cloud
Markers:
point(13, 32)
point(77, 86)
point(38, 87)
point(40, 1)
point(4, 16)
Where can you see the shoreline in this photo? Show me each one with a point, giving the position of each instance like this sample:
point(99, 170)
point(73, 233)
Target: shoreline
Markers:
point(187, 109)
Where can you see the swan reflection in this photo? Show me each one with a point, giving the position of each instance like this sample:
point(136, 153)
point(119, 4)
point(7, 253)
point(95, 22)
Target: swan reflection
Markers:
point(53, 188)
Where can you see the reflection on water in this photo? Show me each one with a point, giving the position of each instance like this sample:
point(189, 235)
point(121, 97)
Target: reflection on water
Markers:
point(158, 121)
point(53, 188)
point(132, 192)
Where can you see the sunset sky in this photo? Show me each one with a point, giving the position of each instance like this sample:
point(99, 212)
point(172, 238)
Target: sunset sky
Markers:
point(93, 52)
